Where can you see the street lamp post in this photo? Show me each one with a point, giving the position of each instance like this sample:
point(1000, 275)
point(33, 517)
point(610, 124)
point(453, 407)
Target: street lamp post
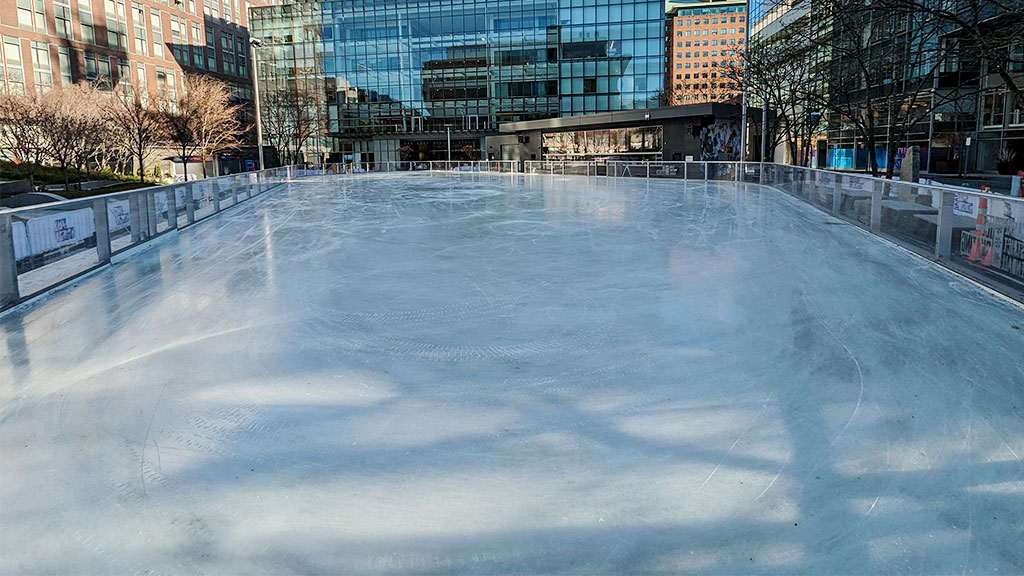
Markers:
point(256, 43)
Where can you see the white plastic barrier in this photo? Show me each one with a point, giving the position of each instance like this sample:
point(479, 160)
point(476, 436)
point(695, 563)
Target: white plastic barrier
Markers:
point(21, 247)
point(58, 230)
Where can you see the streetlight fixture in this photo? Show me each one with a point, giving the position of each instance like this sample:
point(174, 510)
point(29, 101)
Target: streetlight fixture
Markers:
point(255, 43)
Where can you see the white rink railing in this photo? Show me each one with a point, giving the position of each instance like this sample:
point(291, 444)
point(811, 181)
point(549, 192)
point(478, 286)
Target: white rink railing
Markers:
point(978, 234)
point(47, 245)
point(508, 166)
point(975, 233)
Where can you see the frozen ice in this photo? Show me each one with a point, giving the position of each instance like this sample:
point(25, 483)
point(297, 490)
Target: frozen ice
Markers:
point(432, 374)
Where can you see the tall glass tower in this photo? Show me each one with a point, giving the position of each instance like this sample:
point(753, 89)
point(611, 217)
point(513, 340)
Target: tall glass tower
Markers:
point(398, 75)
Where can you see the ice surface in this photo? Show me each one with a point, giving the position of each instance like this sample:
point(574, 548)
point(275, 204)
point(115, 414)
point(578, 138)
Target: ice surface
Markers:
point(431, 374)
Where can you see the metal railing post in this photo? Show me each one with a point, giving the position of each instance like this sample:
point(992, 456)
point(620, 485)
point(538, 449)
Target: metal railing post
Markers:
point(101, 221)
point(944, 229)
point(648, 165)
point(9, 294)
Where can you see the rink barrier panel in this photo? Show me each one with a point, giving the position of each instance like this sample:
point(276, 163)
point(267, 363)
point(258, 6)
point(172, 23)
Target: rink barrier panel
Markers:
point(64, 240)
point(924, 218)
point(935, 221)
point(938, 222)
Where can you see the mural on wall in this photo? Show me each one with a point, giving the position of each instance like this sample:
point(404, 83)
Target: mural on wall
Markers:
point(720, 141)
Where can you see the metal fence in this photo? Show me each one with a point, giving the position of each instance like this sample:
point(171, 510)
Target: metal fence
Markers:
point(44, 246)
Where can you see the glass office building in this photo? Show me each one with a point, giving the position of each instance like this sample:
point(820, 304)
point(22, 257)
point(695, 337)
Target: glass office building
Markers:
point(398, 75)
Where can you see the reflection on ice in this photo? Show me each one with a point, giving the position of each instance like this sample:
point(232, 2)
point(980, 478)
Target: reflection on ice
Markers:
point(513, 374)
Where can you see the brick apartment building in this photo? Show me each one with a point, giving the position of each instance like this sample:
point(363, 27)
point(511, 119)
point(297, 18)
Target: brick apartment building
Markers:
point(705, 43)
point(153, 42)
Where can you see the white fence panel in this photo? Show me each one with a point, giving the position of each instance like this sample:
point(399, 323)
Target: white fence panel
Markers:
point(58, 230)
point(21, 247)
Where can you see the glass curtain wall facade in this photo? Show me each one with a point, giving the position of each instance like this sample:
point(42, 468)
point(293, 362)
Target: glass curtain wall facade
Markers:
point(289, 68)
point(413, 70)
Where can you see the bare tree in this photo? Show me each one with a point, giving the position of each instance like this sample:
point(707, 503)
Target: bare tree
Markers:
point(136, 122)
point(74, 126)
point(21, 130)
point(872, 71)
point(989, 29)
point(181, 118)
point(217, 125)
point(291, 119)
point(778, 76)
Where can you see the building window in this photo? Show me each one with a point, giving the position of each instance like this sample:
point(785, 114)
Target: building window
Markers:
point(64, 61)
point(993, 109)
point(161, 83)
point(172, 92)
point(15, 69)
point(158, 35)
point(41, 70)
point(242, 68)
point(115, 21)
point(90, 66)
point(177, 44)
point(197, 46)
point(227, 49)
point(25, 14)
point(211, 57)
point(139, 25)
point(124, 71)
point(85, 18)
point(1017, 56)
point(62, 20)
point(32, 15)
point(140, 75)
point(1016, 115)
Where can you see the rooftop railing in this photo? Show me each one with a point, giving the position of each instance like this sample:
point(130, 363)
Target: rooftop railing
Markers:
point(45, 246)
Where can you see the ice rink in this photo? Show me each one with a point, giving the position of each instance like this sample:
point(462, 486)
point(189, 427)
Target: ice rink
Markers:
point(479, 374)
